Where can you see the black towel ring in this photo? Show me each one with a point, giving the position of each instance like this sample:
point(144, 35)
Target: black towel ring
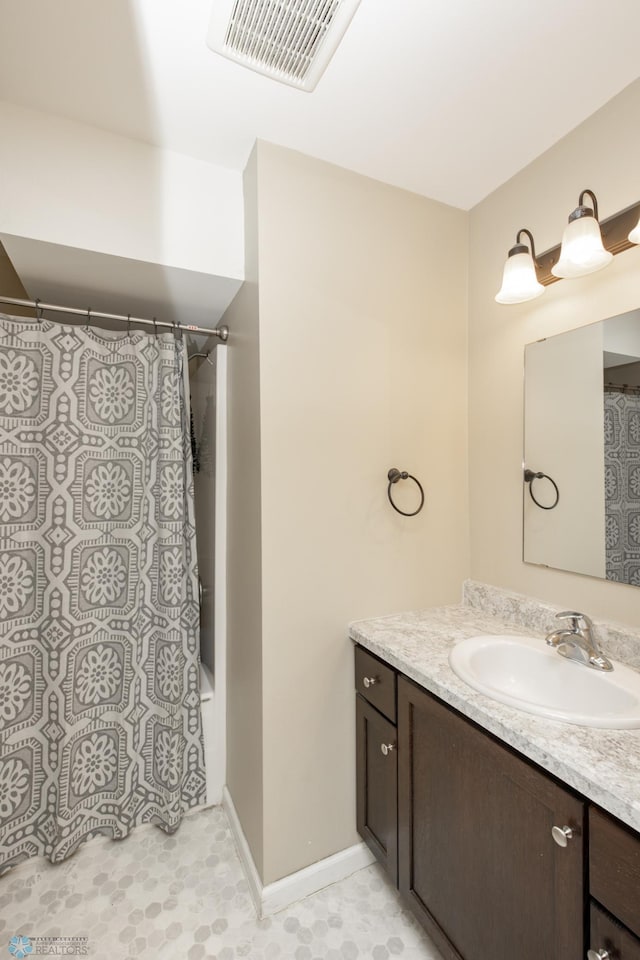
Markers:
point(393, 476)
point(530, 476)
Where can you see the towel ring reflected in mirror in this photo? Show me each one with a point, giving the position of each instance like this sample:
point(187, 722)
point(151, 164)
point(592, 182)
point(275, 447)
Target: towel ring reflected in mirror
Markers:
point(530, 476)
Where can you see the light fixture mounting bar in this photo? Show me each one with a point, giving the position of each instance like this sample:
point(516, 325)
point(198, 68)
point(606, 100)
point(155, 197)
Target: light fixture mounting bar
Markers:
point(615, 238)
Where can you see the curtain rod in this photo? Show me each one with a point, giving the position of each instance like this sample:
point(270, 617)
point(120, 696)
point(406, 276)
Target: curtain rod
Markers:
point(221, 332)
point(622, 387)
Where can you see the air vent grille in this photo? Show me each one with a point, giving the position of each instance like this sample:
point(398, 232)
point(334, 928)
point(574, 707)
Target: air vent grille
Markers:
point(288, 40)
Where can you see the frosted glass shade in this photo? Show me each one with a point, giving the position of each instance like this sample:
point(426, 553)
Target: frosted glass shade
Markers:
point(519, 280)
point(634, 236)
point(582, 251)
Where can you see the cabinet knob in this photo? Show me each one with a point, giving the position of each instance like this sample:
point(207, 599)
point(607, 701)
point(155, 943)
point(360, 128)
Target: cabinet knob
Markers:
point(386, 748)
point(369, 681)
point(599, 955)
point(562, 835)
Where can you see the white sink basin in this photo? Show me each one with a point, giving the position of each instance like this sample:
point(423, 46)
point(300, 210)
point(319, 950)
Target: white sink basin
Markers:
point(525, 673)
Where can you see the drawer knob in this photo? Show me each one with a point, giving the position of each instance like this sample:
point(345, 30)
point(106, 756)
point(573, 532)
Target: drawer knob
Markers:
point(369, 681)
point(386, 748)
point(562, 835)
point(599, 955)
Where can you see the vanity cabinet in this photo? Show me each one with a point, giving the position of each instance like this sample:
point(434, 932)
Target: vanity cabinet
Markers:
point(497, 858)
point(478, 863)
point(377, 759)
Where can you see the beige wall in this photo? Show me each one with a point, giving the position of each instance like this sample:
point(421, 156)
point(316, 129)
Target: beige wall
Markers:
point(244, 574)
point(11, 286)
point(363, 301)
point(601, 154)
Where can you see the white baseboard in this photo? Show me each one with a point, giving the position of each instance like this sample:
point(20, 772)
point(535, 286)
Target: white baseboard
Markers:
point(283, 893)
point(276, 896)
point(249, 867)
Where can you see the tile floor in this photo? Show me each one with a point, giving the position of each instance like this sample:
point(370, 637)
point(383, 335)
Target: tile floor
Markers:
point(185, 898)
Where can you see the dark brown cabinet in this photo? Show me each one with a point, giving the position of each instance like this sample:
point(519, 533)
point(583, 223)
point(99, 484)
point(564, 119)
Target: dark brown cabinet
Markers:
point(609, 940)
point(377, 785)
point(614, 868)
point(377, 759)
point(614, 880)
point(497, 859)
point(478, 862)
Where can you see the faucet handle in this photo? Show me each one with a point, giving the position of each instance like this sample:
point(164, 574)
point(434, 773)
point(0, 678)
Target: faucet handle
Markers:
point(575, 617)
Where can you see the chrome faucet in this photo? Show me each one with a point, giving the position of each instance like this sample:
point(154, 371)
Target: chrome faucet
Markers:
point(576, 641)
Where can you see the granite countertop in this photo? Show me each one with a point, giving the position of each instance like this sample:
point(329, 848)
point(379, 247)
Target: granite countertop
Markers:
point(603, 765)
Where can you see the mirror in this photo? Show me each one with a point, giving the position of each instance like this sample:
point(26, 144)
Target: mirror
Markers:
point(582, 439)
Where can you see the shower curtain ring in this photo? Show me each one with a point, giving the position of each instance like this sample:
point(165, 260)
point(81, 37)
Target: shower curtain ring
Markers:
point(155, 327)
point(38, 311)
point(128, 324)
point(88, 323)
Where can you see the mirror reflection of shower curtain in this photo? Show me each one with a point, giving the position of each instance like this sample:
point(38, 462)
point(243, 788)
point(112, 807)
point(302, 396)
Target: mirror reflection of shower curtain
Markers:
point(99, 694)
point(622, 485)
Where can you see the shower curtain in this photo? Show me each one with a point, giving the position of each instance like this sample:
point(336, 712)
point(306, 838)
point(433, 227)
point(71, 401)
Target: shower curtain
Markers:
point(99, 694)
point(622, 485)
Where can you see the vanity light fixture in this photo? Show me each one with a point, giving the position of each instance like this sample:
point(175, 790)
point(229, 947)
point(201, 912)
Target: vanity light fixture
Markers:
point(519, 280)
point(587, 246)
point(582, 250)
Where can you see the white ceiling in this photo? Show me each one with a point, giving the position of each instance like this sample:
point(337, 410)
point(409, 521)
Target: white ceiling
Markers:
point(448, 98)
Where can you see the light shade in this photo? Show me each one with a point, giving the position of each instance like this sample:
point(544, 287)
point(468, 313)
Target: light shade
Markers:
point(582, 251)
point(634, 236)
point(519, 280)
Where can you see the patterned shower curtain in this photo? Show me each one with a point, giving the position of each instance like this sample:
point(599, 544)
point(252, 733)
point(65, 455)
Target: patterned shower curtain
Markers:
point(99, 693)
point(622, 485)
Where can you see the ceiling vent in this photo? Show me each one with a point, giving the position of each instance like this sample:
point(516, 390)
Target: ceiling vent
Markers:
point(288, 40)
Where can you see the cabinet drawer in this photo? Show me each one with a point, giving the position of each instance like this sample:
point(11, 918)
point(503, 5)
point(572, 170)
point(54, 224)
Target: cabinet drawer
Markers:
point(614, 868)
point(376, 682)
point(607, 935)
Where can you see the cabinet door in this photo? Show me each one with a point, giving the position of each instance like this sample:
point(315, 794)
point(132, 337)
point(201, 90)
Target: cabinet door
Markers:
point(477, 860)
point(377, 785)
